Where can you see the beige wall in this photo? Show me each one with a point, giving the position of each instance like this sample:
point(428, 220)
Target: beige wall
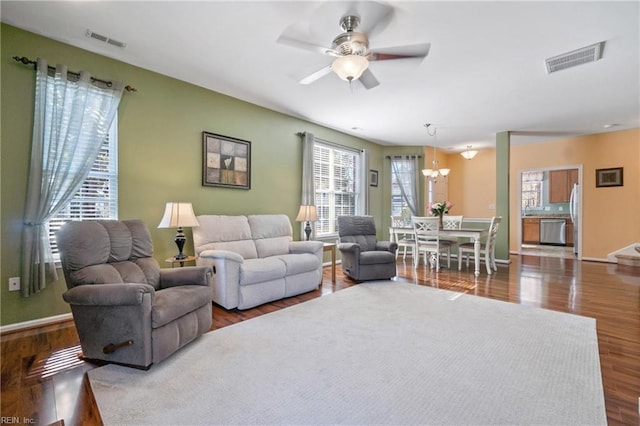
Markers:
point(611, 216)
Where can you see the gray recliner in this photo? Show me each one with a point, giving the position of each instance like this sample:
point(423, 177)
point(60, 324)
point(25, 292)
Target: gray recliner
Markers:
point(126, 309)
point(363, 256)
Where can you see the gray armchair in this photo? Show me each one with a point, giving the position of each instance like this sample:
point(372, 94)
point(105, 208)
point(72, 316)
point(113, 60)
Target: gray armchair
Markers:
point(126, 309)
point(363, 256)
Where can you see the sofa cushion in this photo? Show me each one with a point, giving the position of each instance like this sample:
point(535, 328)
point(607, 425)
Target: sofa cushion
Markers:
point(375, 257)
point(272, 234)
point(219, 232)
point(254, 271)
point(300, 262)
point(173, 302)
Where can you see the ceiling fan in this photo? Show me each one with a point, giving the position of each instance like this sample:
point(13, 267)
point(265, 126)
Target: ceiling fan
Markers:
point(352, 54)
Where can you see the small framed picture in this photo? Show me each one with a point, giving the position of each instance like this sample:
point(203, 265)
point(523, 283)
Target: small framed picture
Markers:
point(226, 161)
point(373, 177)
point(609, 177)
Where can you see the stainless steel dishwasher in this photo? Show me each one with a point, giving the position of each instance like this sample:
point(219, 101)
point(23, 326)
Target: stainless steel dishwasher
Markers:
point(552, 231)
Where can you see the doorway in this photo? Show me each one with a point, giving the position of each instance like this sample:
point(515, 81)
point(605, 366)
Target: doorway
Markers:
point(550, 212)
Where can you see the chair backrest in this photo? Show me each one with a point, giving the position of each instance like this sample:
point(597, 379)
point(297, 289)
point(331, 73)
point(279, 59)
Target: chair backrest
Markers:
point(493, 232)
point(398, 222)
point(107, 251)
point(358, 229)
point(425, 229)
point(452, 222)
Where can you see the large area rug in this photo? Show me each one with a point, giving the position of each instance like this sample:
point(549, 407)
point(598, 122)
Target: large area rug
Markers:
point(376, 353)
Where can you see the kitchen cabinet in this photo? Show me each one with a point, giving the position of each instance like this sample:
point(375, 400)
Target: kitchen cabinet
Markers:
point(569, 233)
point(560, 184)
point(531, 230)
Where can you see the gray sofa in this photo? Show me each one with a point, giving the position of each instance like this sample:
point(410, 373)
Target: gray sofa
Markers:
point(126, 309)
point(255, 259)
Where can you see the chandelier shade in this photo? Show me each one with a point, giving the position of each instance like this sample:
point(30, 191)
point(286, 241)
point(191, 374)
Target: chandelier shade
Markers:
point(350, 67)
point(469, 153)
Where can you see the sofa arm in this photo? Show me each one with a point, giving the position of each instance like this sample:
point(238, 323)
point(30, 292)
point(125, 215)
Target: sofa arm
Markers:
point(188, 275)
point(120, 294)
point(387, 246)
point(306, 247)
point(352, 248)
point(225, 281)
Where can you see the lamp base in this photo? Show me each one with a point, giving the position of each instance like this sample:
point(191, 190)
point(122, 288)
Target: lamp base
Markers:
point(180, 240)
point(307, 230)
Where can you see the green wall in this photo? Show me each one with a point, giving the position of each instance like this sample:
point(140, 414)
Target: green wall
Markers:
point(160, 155)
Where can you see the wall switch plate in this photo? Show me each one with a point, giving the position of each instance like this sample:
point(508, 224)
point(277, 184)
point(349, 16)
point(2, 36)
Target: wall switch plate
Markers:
point(547, 208)
point(492, 206)
point(14, 283)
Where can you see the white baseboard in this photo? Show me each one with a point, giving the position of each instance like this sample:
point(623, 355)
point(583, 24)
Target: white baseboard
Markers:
point(35, 323)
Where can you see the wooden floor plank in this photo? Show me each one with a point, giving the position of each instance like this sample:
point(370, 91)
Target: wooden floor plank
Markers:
point(609, 293)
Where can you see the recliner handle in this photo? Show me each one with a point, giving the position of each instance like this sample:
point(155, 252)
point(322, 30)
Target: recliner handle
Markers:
point(112, 347)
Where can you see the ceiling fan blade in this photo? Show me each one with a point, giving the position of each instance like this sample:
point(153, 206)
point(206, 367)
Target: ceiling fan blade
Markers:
point(306, 46)
point(316, 75)
point(400, 52)
point(368, 80)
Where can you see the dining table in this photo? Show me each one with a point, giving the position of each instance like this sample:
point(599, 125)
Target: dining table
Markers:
point(475, 234)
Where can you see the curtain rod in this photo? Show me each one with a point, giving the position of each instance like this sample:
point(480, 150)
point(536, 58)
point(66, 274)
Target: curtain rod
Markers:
point(27, 61)
point(403, 156)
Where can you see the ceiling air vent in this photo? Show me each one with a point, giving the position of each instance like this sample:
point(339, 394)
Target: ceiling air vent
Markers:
point(575, 57)
point(105, 39)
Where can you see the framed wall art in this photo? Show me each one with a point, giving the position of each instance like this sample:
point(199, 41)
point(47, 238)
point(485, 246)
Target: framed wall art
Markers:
point(609, 177)
point(226, 161)
point(373, 177)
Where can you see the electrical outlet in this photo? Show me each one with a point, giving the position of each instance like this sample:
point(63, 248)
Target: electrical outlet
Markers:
point(14, 283)
point(547, 209)
point(492, 206)
point(560, 208)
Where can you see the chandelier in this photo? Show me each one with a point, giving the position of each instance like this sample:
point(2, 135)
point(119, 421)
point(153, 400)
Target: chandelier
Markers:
point(434, 172)
point(469, 153)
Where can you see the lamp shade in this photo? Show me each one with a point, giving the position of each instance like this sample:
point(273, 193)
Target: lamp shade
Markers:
point(307, 214)
point(178, 215)
point(350, 67)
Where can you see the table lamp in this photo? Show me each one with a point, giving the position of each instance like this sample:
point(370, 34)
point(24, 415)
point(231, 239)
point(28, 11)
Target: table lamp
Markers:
point(179, 215)
point(307, 214)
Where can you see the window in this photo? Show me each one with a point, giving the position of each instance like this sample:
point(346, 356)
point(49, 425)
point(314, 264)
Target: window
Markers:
point(532, 190)
point(337, 185)
point(97, 198)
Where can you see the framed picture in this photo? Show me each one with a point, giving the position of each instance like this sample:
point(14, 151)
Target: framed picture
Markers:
point(373, 177)
point(226, 161)
point(609, 177)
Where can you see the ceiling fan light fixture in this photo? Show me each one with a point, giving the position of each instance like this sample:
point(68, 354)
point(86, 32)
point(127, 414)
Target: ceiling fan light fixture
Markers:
point(350, 67)
point(469, 153)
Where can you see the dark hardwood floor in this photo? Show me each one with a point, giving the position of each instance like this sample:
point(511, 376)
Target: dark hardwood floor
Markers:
point(43, 381)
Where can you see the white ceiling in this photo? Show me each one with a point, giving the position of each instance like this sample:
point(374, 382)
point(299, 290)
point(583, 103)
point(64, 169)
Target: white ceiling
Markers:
point(485, 72)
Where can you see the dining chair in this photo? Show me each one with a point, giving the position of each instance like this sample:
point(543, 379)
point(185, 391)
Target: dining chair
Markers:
point(488, 251)
point(401, 236)
point(452, 222)
point(428, 242)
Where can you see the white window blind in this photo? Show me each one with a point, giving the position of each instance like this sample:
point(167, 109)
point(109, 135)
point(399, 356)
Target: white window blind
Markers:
point(337, 185)
point(97, 198)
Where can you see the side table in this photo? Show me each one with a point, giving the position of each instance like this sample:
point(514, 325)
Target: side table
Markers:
point(173, 261)
point(332, 248)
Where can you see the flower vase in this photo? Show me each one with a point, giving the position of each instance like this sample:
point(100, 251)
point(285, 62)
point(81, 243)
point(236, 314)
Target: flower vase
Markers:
point(440, 222)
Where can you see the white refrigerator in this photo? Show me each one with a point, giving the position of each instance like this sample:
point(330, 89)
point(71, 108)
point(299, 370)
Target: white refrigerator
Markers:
point(574, 212)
